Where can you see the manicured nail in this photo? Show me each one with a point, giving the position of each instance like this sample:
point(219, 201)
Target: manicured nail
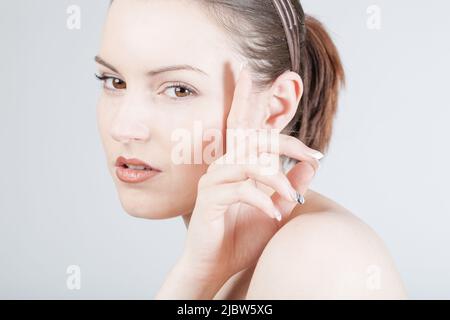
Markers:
point(278, 215)
point(300, 198)
point(318, 155)
point(243, 65)
point(293, 194)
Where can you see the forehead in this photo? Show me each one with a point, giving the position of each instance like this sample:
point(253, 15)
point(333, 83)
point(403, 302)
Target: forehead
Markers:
point(162, 32)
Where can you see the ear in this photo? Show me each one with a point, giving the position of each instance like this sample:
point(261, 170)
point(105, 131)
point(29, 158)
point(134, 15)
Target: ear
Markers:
point(283, 98)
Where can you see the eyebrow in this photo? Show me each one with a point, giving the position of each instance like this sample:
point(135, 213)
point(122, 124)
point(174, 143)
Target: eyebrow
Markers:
point(154, 72)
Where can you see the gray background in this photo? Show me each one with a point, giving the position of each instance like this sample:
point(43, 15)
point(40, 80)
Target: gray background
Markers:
point(58, 207)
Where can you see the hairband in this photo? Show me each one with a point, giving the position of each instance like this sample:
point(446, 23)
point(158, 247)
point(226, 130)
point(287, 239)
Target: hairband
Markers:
point(295, 34)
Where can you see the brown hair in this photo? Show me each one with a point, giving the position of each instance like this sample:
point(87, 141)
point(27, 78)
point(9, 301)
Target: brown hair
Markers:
point(258, 35)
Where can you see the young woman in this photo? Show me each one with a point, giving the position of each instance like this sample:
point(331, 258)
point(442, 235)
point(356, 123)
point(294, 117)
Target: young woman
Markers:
point(179, 76)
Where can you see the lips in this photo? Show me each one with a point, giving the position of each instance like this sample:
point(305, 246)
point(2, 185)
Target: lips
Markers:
point(134, 170)
point(133, 163)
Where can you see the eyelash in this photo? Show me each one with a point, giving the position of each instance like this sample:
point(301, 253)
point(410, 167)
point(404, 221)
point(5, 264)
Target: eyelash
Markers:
point(182, 86)
point(102, 77)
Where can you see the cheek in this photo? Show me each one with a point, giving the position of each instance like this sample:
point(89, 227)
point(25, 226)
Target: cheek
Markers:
point(102, 120)
point(204, 136)
point(197, 142)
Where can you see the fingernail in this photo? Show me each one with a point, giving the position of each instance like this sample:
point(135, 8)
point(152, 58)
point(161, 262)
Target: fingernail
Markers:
point(318, 155)
point(243, 65)
point(300, 199)
point(293, 194)
point(278, 215)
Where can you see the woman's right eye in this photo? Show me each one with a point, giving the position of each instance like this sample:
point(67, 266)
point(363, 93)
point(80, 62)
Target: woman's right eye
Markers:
point(111, 83)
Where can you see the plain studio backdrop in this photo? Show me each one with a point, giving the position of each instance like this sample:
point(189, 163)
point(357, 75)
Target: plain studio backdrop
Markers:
point(59, 211)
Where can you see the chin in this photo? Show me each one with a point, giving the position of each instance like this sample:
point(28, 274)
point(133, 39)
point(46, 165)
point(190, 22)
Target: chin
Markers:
point(153, 207)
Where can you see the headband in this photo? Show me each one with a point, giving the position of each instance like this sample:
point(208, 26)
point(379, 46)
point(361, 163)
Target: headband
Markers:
point(294, 28)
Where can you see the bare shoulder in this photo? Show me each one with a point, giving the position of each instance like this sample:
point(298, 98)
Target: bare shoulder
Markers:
point(326, 254)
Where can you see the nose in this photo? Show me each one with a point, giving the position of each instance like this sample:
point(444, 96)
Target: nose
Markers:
point(129, 127)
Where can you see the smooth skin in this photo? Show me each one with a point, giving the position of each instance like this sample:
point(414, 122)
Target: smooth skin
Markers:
point(235, 248)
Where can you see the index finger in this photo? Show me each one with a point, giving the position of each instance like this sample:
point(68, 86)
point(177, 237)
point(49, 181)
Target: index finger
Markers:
point(242, 112)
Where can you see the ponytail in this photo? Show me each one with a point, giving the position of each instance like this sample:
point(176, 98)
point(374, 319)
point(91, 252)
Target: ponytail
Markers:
point(323, 76)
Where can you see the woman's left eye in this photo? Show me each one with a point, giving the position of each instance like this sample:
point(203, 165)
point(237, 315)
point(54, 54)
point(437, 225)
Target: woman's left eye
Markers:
point(180, 91)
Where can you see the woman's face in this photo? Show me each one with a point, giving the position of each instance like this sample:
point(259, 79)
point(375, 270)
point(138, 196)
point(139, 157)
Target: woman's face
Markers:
point(142, 105)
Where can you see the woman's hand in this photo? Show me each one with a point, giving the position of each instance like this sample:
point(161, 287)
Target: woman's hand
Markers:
point(233, 220)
